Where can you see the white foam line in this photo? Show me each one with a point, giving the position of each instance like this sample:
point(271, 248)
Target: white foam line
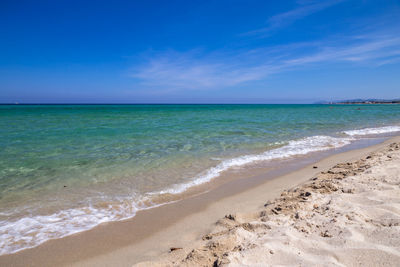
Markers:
point(30, 232)
point(293, 148)
point(370, 131)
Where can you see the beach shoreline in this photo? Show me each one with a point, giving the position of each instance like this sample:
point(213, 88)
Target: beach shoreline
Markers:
point(346, 216)
point(151, 233)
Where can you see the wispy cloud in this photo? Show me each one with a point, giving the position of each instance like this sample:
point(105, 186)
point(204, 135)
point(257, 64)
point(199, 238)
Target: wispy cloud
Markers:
point(304, 9)
point(368, 48)
point(198, 70)
point(187, 70)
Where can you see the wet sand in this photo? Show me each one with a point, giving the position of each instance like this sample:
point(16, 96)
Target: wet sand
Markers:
point(151, 233)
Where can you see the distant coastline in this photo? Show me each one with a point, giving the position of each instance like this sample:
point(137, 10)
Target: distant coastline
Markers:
point(361, 101)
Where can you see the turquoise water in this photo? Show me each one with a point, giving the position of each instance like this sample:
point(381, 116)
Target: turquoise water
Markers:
point(97, 163)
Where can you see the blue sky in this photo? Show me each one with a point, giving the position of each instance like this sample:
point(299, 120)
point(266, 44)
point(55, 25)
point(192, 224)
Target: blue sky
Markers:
point(198, 51)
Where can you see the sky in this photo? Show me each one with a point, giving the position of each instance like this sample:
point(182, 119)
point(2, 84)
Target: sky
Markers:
point(198, 51)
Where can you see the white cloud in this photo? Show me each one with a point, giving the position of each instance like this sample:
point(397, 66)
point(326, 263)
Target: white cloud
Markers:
point(197, 70)
point(185, 70)
point(305, 9)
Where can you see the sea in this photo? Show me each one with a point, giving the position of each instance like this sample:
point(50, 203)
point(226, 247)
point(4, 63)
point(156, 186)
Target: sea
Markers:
point(68, 168)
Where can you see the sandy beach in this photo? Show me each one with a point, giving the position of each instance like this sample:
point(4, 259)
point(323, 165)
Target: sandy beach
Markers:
point(346, 216)
point(341, 212)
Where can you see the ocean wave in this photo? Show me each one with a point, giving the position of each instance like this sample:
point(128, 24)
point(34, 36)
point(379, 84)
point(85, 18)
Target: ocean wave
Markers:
point(31, 231)
point(293, 148)
point(371, 131)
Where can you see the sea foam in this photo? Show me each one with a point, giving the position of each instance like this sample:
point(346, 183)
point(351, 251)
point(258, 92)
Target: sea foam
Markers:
point(292, 148)
point(371, 131)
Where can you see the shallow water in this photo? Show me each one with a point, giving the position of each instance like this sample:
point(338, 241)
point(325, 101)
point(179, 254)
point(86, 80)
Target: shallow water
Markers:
point(67, 168)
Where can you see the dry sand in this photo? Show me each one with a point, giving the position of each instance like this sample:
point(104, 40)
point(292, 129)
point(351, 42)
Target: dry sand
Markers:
point(346, 216)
